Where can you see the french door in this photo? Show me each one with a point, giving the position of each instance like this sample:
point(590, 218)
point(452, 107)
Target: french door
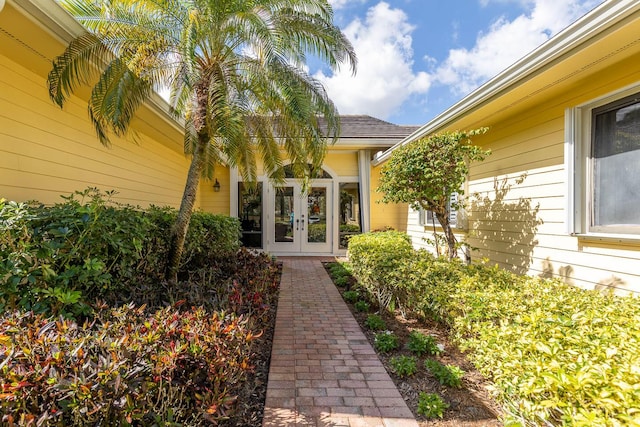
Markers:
point(300, 222)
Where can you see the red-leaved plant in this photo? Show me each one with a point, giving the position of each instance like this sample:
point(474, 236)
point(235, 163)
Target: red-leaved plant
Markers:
point(125, 367)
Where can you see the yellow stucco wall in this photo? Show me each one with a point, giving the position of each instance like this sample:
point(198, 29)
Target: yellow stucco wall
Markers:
point(385, 215)
point(338, 162)
point(342, 163)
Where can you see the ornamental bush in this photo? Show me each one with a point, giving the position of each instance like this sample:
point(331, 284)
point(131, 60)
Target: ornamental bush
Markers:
point(379, 262)
point(126, 367)
point(558, 355)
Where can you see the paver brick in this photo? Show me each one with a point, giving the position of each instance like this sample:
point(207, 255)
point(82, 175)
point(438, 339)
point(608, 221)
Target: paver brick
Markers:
point(323, 371)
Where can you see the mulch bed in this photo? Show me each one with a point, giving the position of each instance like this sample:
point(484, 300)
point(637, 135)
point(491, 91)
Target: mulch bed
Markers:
point(470, 406)
point(249, 409)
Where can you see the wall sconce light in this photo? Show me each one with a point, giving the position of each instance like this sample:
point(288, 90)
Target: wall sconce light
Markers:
point(216, 186)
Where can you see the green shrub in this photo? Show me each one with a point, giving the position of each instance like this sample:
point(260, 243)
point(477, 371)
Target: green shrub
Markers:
point(341, 281)
point(421, 344)
point(431, 405)
point(362, 306)
point(386, 342)
point(557, 354)
point(339, 269)
point(375, 322)
point(378, 263)
point(527, 333)
point(125, 367)
point(351, 296)
point(404, 366)
point(340, 273)
point(449, 375)
point(56, 259)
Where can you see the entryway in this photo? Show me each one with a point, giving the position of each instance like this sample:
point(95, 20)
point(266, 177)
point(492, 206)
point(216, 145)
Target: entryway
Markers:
point(299, 222)
point(285, 219)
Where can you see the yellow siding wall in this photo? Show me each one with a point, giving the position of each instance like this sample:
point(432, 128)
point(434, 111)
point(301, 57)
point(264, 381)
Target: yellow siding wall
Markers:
point(46, 152)
point(518, 216)
point(517, 196)
point(385, 215)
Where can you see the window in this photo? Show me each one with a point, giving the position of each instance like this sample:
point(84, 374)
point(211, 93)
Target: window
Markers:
point(250, 213)
point(350, 214)
point(606, 152)
point(427, 218)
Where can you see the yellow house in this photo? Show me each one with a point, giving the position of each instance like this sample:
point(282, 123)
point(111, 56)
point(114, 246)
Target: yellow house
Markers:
point(560, 194)
point(46, 152)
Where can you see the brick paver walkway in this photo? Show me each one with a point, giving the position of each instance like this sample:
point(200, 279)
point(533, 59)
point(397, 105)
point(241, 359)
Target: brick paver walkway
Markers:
point(323, 370)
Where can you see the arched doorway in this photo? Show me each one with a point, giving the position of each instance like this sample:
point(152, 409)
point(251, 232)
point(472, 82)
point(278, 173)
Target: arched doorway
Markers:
point(299, 221)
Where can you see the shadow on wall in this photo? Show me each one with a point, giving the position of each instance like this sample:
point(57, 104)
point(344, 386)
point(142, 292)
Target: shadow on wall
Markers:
point(614, 285)
point(504, 230)
point(565, 272)
point(610, 285)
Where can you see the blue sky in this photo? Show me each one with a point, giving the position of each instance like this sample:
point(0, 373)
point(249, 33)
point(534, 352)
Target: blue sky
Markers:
point(416, 58)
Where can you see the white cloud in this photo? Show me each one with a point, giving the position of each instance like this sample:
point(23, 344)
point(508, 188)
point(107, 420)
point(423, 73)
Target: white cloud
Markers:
point(507, 41)
point(340, 4)
point(485, 3)
point(385, 78)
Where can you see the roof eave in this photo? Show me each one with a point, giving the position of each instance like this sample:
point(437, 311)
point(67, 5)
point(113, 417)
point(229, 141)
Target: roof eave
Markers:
point(595, 22)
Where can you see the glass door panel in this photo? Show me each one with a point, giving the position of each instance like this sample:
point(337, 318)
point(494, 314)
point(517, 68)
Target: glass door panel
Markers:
point(250, 213)
point(317, 235)
point(349, 212)
point(317, 215)
point(284, 214)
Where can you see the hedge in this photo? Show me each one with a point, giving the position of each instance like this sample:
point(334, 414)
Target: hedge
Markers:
point(57, 258)
point(557, 354)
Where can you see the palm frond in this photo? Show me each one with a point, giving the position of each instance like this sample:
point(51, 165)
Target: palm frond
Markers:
point(115, 99)
point(75, 67)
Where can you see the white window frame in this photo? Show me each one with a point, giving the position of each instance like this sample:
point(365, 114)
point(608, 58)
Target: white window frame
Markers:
point(427, 218)
point(579, 166)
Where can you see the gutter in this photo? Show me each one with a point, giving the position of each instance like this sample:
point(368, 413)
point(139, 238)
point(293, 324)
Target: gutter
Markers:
point(49, 15)
point(593, 23)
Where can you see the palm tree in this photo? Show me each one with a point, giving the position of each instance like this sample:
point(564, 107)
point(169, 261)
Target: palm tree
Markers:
point(236, 74)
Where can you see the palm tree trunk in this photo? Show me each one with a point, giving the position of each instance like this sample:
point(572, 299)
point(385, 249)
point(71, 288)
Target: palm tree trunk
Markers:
point(181, 226)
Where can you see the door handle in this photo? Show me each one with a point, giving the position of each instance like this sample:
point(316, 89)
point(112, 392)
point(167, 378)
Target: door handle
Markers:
point(302, 222)
point(297, 223)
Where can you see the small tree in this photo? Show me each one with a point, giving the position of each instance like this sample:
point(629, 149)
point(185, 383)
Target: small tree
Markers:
point(427, 171)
